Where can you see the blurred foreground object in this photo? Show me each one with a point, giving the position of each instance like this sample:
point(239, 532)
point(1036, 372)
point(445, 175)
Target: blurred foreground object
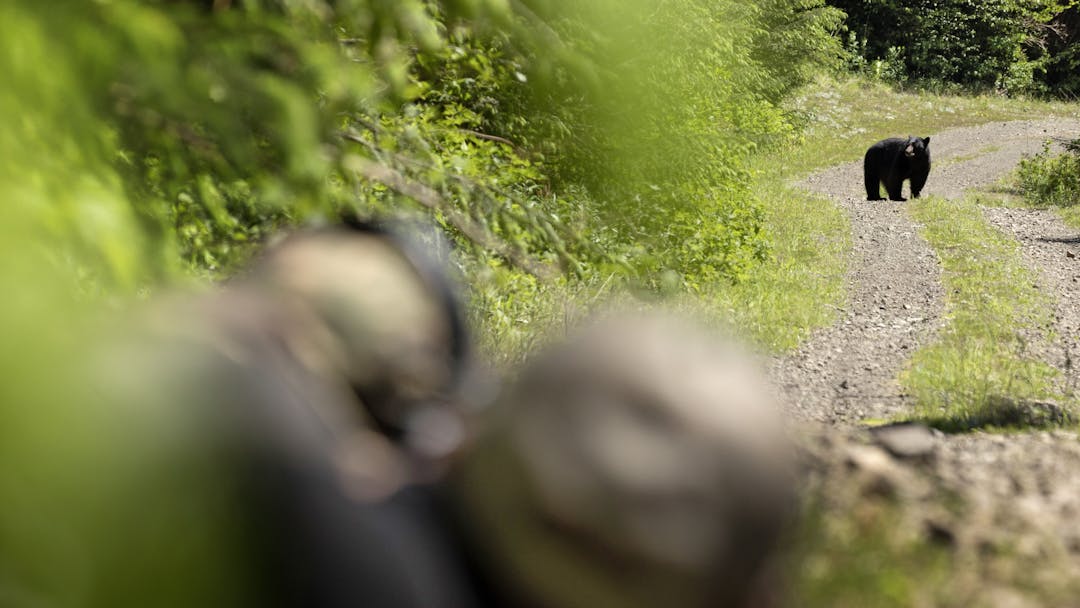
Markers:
point(638, 464)
point(388, 323)
point(292, 413)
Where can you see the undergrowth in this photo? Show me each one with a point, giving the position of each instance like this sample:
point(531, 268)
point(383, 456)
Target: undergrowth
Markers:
point(862, 543)
point(801, 285)
point(1052, 180)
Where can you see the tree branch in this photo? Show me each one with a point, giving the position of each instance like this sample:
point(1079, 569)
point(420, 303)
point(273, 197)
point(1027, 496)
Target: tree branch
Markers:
point(431, 199)
point(501, 140)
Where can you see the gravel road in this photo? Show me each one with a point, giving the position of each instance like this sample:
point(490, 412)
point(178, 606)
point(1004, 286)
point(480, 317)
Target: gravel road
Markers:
point(847, 372)
point(1018, 490)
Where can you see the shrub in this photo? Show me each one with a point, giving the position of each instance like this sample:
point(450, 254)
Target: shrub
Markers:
point(662, 131)
point(1061, 70)
point(1051, 179)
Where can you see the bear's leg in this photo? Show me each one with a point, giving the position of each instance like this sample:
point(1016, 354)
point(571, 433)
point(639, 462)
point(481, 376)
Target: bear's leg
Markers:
point(872, 176)
point(918, 180)
point(873, 188)
point(895, 188)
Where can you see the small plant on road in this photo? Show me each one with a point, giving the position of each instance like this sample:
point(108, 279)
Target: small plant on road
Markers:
point(1052, 180)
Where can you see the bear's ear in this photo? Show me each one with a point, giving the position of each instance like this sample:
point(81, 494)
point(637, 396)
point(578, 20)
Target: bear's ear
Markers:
point(926, 141)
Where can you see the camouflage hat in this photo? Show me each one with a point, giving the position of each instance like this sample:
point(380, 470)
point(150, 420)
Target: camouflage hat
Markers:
point(390, 321)
point(638, 464)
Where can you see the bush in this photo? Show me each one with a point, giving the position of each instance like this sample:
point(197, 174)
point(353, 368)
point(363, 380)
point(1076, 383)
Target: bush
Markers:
point(662, 130)
point(1050, 179)
point(601, 138)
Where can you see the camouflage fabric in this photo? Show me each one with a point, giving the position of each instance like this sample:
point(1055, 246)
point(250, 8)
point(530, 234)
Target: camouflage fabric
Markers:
point(638, 464)
point(386, 321)
point(280, 431)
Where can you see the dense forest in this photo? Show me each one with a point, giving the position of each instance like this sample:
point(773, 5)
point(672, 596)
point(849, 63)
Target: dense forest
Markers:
point(568, 150)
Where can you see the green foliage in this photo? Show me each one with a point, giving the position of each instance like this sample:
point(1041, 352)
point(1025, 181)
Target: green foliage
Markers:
point(1062, 66)
point(556, 141)
point(449, 149)
point(661, 136)
point(1006, 45)
point(609, 142)
point(1049, 179)
point(994, 312)
point(212, 123)
point(69, 532)
point(630, 156)
point(801, 285)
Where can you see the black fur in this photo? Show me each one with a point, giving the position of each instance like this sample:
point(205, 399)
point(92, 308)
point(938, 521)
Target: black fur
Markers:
point(891, 161)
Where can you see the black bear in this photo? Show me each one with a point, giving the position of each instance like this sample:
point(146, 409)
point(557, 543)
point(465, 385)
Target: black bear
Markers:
point(891, 161)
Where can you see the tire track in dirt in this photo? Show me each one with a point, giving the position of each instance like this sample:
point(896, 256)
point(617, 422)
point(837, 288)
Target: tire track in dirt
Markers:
point(848, 372)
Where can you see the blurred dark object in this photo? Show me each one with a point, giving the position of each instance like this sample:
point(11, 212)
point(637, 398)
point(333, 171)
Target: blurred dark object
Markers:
point(312, 399)
point(640, 464)
point(304, 438)
point(387, 320)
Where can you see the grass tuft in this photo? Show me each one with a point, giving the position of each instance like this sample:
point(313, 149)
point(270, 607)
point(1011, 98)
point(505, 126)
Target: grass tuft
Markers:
point(856, 555)
point(983, 360)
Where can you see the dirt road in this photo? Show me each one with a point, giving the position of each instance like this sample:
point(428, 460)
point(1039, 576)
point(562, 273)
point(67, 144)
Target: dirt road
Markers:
point(847, 372)
point(1017, 490)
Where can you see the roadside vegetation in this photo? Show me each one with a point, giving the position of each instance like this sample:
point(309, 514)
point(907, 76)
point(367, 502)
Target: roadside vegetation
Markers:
point(842, 117)
point(869, 558)
point(1013, 46)
point(799, 285)
point(565, 158)
point(1052, 180)
point(871, 540)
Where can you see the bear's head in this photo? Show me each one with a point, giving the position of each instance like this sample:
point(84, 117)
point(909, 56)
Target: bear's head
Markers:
point(917, 147)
